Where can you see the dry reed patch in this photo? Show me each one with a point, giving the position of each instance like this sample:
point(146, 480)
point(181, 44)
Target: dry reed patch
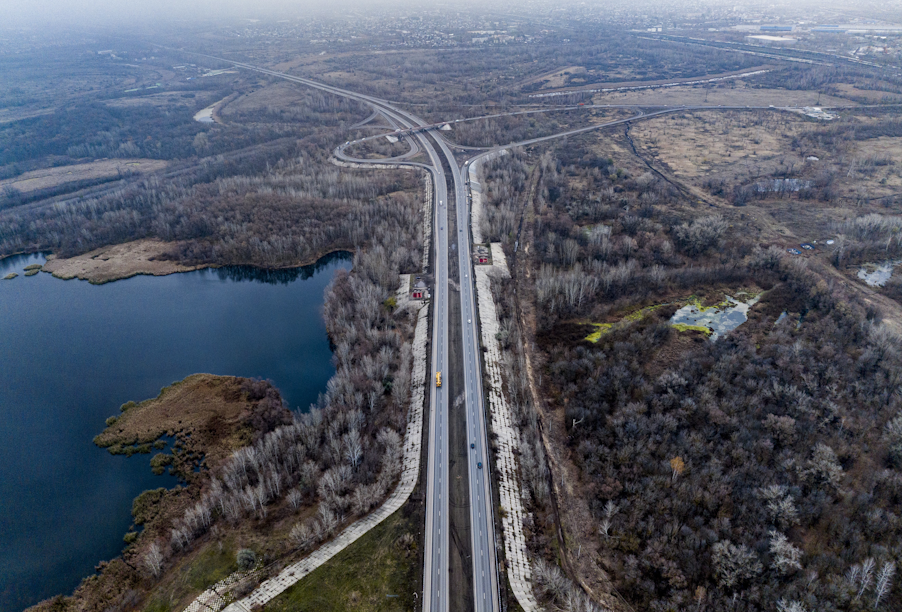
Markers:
point(212, 414)
point(730, 93)
point(870, 95)
point(53, 177)
point(116, 262)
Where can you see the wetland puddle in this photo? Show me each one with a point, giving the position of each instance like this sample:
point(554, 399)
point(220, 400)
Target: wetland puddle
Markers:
point(876, 275)
point(205, 115)
point(713, 320)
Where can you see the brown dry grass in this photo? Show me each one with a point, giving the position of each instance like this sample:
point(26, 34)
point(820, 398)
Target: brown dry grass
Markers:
point(740, 148)
point(695, 144)
point(868, 94)
point(279, 95)
point(116, 262)
point(166, 99)
point(212, 409)
point(729, 93)
point(8, 115)
point(555, 78)
point(887, 177)
point(53, 177)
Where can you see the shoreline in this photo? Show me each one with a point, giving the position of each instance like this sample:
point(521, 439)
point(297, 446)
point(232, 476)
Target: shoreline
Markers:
point(138, 258)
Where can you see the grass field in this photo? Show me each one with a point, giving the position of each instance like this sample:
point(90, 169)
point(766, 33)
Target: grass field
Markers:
point(209, 565)
point(375, 574)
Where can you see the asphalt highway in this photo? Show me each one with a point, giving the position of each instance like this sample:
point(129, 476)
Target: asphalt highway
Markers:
point(482, 525)
point(435, 573)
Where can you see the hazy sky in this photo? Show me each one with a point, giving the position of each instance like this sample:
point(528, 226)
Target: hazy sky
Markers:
point(38, 13)
point(104, 12)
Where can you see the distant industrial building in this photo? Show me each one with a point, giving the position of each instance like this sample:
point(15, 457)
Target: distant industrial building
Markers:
point(775, 28)
point(777, 40)
point(859, 28)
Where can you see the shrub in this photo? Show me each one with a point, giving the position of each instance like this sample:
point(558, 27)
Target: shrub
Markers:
point(246, 558)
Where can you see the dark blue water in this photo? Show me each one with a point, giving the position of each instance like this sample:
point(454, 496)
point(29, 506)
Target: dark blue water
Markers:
point(71, 353)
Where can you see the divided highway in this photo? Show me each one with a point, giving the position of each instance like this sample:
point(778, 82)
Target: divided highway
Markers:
point(436, 575)
point(482, 524)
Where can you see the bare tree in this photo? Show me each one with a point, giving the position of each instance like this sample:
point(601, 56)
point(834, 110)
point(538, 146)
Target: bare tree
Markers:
point(824, 466)
point(153, 559)
point(302, 535)
point(790, 606)
point(865, 576)
point(295, 498)
point(353, 448)
point(327, 519)
point(734, 563)
point(786, 556)
point(884, 581)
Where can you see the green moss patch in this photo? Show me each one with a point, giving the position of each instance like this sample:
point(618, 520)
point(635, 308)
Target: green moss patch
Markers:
point(636, 315)
point(600, 330)
point(682, 327)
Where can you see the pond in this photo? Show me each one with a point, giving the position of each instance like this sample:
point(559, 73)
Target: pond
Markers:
point(876, 275)
point(71, 353)
point(714, 320)
point(205, 115)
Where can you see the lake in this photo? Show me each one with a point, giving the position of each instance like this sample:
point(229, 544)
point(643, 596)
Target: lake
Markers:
point(71, 353)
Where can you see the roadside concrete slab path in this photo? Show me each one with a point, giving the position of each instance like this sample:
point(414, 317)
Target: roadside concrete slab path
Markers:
point(514, 514)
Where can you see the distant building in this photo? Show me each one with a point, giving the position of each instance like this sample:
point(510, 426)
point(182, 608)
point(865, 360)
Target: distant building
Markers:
point(420, 291)
point(481, 255)
point(777, 40)
point(776, 28)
